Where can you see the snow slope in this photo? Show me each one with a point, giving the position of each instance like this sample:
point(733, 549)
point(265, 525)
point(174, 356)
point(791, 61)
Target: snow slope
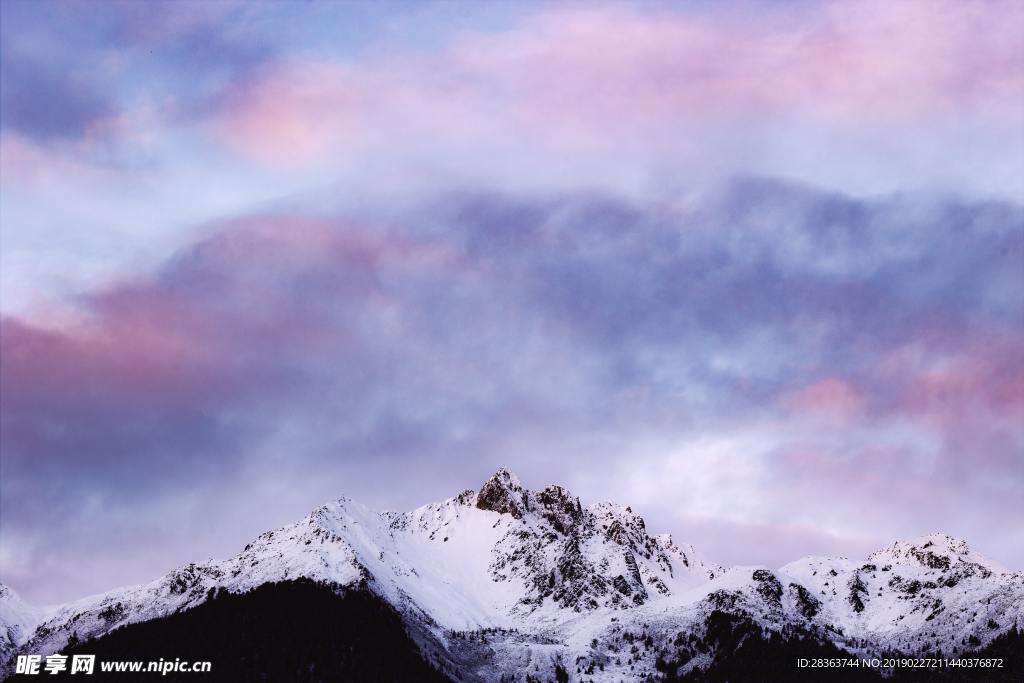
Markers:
point(17, 620)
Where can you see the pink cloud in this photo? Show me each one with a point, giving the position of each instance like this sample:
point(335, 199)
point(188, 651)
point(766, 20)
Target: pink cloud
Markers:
point(831, 396)
point(169, 332)
point(951, 393)
point(953, 372)
point(596, 75)
point(79, 369)
point(294, 113)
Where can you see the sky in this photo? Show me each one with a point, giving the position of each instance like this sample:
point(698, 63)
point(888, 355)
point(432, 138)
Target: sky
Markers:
point(755, 269)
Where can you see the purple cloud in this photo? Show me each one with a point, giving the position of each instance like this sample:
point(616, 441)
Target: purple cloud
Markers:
point(816, 340)
point(48, 102)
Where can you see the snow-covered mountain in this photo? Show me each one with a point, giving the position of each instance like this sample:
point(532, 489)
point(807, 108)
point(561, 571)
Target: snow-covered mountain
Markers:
point(507, 580)
point(17, 620)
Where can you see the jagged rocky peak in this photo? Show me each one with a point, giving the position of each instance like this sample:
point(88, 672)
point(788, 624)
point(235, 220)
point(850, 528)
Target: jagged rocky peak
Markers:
point(560, 508)
point(564, 512)
point(620, 524)
point(935, 551)
point(503, 493)
point(685, 553)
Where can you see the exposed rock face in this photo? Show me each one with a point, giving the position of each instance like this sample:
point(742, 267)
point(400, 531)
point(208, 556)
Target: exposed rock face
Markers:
point(504, 494)
point(561, 510)
point(768, 587)
point(806, 604)
point(582, 558)
point(858, 592)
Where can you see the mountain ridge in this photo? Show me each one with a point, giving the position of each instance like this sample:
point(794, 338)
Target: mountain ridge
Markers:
point(570, 581)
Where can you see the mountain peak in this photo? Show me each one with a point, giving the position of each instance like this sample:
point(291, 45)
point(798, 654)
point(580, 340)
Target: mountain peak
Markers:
point(503, 493)
point(506, 476)
point(580, 581)
point(935, 551)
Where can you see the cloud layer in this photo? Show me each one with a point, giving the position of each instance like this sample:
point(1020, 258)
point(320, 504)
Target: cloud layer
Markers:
point(754, 268)
point(767, 356)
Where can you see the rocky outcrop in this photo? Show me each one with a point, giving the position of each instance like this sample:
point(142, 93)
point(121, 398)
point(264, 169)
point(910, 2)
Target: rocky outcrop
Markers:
point(504, 494)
